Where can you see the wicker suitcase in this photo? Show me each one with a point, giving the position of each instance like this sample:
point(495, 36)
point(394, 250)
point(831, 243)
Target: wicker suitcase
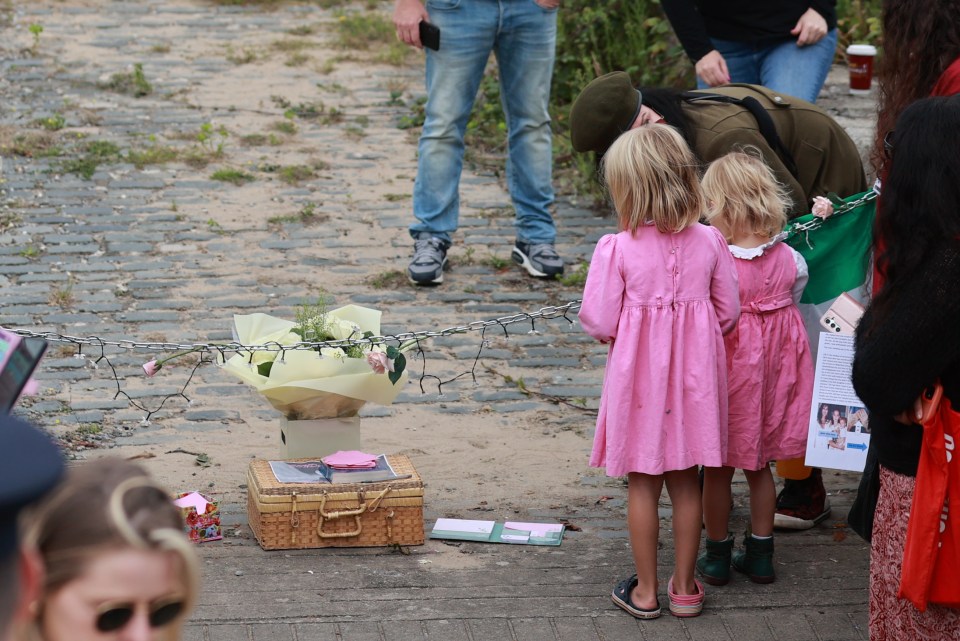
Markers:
point(287, 516)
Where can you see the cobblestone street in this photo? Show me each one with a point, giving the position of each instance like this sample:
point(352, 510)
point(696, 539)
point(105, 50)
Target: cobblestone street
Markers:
point(264, 165)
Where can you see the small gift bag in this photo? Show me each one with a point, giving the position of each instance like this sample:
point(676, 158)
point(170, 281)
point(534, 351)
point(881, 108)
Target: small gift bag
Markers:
point(201, 516)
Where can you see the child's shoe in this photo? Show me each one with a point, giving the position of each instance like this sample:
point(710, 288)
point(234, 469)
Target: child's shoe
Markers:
point(756, 559)
point(685, 605)
point(714, 564)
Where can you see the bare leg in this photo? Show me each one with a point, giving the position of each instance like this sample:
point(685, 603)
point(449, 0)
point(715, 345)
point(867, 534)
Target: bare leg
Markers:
point(684, 489)
point(643, 496)
point(716, 501)
point(763, 500)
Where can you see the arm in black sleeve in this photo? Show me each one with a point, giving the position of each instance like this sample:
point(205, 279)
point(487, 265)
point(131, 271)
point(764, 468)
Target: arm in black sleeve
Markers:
point(688, 24)
point(916, 342)
point(827, 9)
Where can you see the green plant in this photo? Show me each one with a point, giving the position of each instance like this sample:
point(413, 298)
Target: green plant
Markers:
point(62, 296)
point(858, 21)
point(36, 30)
point(31, 251)
point(133, 82)
point(92, 154)
point(56, 122)
point(498, 263)
point(152, 154)
point(295, 174)
point(284, 126)
point(392, 198)
point(392, 279)
point(358, 31)
point(577, 277)
point(232, 176)
point(243, 57)
point(215, 227)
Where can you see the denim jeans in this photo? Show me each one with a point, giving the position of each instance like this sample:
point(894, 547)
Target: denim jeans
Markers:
point(783, 67)
point(522, 35)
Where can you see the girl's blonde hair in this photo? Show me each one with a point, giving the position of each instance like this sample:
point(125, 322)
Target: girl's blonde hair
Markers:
point(653, 176)
point(104, 506)
point(743, 192)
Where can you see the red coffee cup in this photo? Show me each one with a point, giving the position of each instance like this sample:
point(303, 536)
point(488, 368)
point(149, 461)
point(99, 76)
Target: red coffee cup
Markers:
point(860, 62)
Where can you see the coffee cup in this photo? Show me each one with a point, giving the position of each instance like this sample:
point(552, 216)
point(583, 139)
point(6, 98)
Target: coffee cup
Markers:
point(860, 62)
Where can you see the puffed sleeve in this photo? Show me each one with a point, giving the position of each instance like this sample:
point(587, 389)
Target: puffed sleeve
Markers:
point(603, 292)
point(725, 286)
point(803, 275)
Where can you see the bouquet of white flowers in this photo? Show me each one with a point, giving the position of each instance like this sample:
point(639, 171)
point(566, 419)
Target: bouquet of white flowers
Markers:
point(322, 382)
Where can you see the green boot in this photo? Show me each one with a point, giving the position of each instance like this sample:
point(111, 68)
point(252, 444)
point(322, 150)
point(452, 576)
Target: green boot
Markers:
point(714, 563)
point(756, 559)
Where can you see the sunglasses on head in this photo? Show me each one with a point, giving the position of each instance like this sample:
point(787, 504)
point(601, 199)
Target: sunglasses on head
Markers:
point(888, 144)
point(116, 616)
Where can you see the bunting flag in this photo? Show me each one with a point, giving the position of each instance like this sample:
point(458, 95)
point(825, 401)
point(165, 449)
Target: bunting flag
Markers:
point(837, 251)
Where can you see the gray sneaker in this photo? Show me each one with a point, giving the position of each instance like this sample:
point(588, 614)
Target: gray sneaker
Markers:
point(539, 259)
point(429, 261)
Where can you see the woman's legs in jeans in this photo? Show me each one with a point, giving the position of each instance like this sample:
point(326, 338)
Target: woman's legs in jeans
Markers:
point(525, 52)
point(799, 71)
point(453, 75)
point(783, 67)
point(643, 523)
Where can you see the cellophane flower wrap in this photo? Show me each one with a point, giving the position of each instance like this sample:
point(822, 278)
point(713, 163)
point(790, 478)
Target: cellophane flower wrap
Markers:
point(306, 383)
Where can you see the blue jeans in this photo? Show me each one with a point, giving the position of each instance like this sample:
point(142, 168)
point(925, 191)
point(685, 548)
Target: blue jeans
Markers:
point(783, 67)
point(522, 35)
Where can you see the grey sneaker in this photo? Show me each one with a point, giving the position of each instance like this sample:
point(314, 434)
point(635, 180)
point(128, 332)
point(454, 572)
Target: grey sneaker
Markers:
point(539, 259)
point(429, 261)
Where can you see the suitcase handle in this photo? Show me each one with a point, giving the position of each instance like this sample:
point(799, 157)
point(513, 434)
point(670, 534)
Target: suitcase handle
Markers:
point(327, 516)
point(355, 513)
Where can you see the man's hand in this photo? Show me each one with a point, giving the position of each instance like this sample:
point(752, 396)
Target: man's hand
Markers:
point(811, 27)
point(407, 15)
point(712, 69)
point(548, 4)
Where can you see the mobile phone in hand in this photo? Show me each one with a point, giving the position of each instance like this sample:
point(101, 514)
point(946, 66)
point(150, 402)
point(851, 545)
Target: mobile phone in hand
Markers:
point(429, 35)
point(843, 315)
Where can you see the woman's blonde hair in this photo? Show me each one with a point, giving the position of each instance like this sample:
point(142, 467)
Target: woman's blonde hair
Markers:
point(653, 176)
point(104, 506)
point(743, 192)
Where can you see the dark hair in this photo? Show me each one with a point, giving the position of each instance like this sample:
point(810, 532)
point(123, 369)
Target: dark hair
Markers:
point(920, 39)
point(669, 104)
point(921, 193)
point(9, 580)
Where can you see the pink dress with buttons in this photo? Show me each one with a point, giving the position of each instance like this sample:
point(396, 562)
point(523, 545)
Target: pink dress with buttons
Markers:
point(661, 301)
point(770, 369)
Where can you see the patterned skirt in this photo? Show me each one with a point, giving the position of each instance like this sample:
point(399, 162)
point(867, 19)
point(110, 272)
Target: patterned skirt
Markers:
point(893, 619)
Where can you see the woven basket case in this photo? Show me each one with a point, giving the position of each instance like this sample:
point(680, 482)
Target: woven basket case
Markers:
point(286, 516)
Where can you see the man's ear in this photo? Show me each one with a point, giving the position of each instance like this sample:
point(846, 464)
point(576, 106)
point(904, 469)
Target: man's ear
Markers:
point(30, 568)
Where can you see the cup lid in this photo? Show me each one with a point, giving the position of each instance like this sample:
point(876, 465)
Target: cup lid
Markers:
point(862, 50)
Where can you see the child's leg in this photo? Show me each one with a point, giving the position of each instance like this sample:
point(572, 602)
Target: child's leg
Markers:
point(716, 501)
point(684, 489)
point(763, 500)
point(643, 521)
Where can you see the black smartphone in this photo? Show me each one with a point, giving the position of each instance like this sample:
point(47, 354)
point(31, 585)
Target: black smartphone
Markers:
point(18, 358)
point(429, 35)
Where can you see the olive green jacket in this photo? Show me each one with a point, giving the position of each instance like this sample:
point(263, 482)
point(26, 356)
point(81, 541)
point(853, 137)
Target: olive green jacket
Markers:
point(827, 160)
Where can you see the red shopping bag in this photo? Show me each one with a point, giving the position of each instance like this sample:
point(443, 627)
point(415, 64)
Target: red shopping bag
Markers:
point(931, 557)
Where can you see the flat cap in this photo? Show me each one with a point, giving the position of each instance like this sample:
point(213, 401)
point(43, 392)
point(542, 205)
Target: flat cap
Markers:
point(604, 109)
point(30, 466)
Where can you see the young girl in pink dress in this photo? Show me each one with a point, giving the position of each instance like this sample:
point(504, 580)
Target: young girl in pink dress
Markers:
point(661, 293)
point(770, 371)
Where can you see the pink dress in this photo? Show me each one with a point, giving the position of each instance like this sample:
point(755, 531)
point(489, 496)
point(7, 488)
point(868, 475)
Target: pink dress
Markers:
point(770, 376)
point(661, 301)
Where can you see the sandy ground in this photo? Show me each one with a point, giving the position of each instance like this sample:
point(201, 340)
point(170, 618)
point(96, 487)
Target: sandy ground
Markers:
point(485, 460)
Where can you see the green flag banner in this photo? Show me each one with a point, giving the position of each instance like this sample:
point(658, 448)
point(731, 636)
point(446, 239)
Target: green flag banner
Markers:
point(837, 250)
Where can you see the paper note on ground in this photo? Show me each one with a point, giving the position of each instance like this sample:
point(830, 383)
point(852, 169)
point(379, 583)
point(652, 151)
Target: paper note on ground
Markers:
point(464, 525)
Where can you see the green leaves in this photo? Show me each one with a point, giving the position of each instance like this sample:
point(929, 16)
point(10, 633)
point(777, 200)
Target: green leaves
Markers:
point(399, 364)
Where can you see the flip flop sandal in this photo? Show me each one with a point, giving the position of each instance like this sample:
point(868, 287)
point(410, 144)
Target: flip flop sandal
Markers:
point(621, 597)
point(685, 605)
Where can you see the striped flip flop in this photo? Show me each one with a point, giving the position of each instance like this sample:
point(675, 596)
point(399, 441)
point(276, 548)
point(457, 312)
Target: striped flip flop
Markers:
point(685, 605)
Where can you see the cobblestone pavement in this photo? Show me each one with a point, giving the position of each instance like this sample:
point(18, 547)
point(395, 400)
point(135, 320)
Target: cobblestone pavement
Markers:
point(149, 251)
